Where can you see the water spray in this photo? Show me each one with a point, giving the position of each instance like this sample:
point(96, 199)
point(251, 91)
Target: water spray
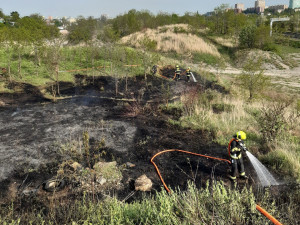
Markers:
point(264, 176)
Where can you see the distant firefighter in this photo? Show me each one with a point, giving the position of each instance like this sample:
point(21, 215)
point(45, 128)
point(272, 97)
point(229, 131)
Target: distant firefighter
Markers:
point(154, 69)
point(188, 74)
point(177, 73)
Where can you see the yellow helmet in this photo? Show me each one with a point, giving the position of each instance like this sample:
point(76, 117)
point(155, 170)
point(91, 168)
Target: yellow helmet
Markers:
point(177, 66)
point(241, 135)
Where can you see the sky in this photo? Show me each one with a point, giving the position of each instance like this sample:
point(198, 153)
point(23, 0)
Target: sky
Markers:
point(112, 8)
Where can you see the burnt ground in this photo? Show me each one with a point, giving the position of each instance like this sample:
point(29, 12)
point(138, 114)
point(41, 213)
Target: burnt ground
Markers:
point(132, 123)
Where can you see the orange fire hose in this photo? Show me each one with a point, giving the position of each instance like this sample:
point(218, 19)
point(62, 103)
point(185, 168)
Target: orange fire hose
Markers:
point(264, 212)
point(173, 78)
point(179, 75)
point(164, 76)
point(177, 150)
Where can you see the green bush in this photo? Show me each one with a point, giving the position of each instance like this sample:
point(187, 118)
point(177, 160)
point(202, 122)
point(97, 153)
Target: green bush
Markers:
point(295, 44)
point(247, 36)
point(271, 47)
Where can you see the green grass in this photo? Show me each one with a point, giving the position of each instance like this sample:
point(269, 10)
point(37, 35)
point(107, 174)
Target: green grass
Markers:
point(71, 58)
point(215, 204)
point(206, 58)
point(284, 49)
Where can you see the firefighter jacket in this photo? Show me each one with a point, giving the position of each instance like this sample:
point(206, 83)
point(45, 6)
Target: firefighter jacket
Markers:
point(235, 148)
point(188, 72)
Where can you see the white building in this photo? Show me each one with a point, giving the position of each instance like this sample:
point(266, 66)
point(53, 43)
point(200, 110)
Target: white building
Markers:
point(294, 4)
point(260, 6)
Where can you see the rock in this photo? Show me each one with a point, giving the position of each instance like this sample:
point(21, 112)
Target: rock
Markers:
point(143, 183)
point(101, 180)
point(2, 103)
point(29, 192)
point(76, 166)
point(130, 165)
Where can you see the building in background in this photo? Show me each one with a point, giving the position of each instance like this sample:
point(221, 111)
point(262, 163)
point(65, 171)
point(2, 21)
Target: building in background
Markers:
point(239, 8)
point(294, 4)
point(278, 8)
point(260, 6)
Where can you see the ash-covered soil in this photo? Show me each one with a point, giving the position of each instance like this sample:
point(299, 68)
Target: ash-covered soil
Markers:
point(34, 131)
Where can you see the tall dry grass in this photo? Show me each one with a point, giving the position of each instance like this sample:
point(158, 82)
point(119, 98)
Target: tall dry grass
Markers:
point(224, 124)
point(224, 115)
point(285, 160)
point(228, 42)
point(168, 41)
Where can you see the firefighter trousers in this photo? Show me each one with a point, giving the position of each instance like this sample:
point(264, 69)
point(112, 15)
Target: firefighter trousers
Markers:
point(237, 165)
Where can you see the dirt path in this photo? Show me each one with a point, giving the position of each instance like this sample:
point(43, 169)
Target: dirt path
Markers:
point(288, 78)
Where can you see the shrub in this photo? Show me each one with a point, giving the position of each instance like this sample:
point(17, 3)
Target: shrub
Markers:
point(270, 47)
point(247, 36)
point(295, 44)
point(270, 119)
point(252, 78)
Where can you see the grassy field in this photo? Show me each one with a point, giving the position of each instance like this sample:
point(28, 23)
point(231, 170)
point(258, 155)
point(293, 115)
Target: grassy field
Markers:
point(109, 60)
point(221, 114)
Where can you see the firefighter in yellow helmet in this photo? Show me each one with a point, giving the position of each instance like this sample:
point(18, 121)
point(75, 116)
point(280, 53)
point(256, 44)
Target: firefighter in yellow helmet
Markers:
point(188, 74)
point(177, 73)
point(235, 147)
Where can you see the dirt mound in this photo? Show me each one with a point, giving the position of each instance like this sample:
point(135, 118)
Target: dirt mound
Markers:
point(269, 60)
point(173, 38)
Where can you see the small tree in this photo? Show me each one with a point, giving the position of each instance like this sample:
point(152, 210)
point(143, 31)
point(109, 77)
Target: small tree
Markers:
point(271, 120)
point(148, 59)
point(276, 116)
point(262, 37)
point(52, 60)
point(247, 36)
point(82, 31)
point(253, 79)
point(6, 39)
